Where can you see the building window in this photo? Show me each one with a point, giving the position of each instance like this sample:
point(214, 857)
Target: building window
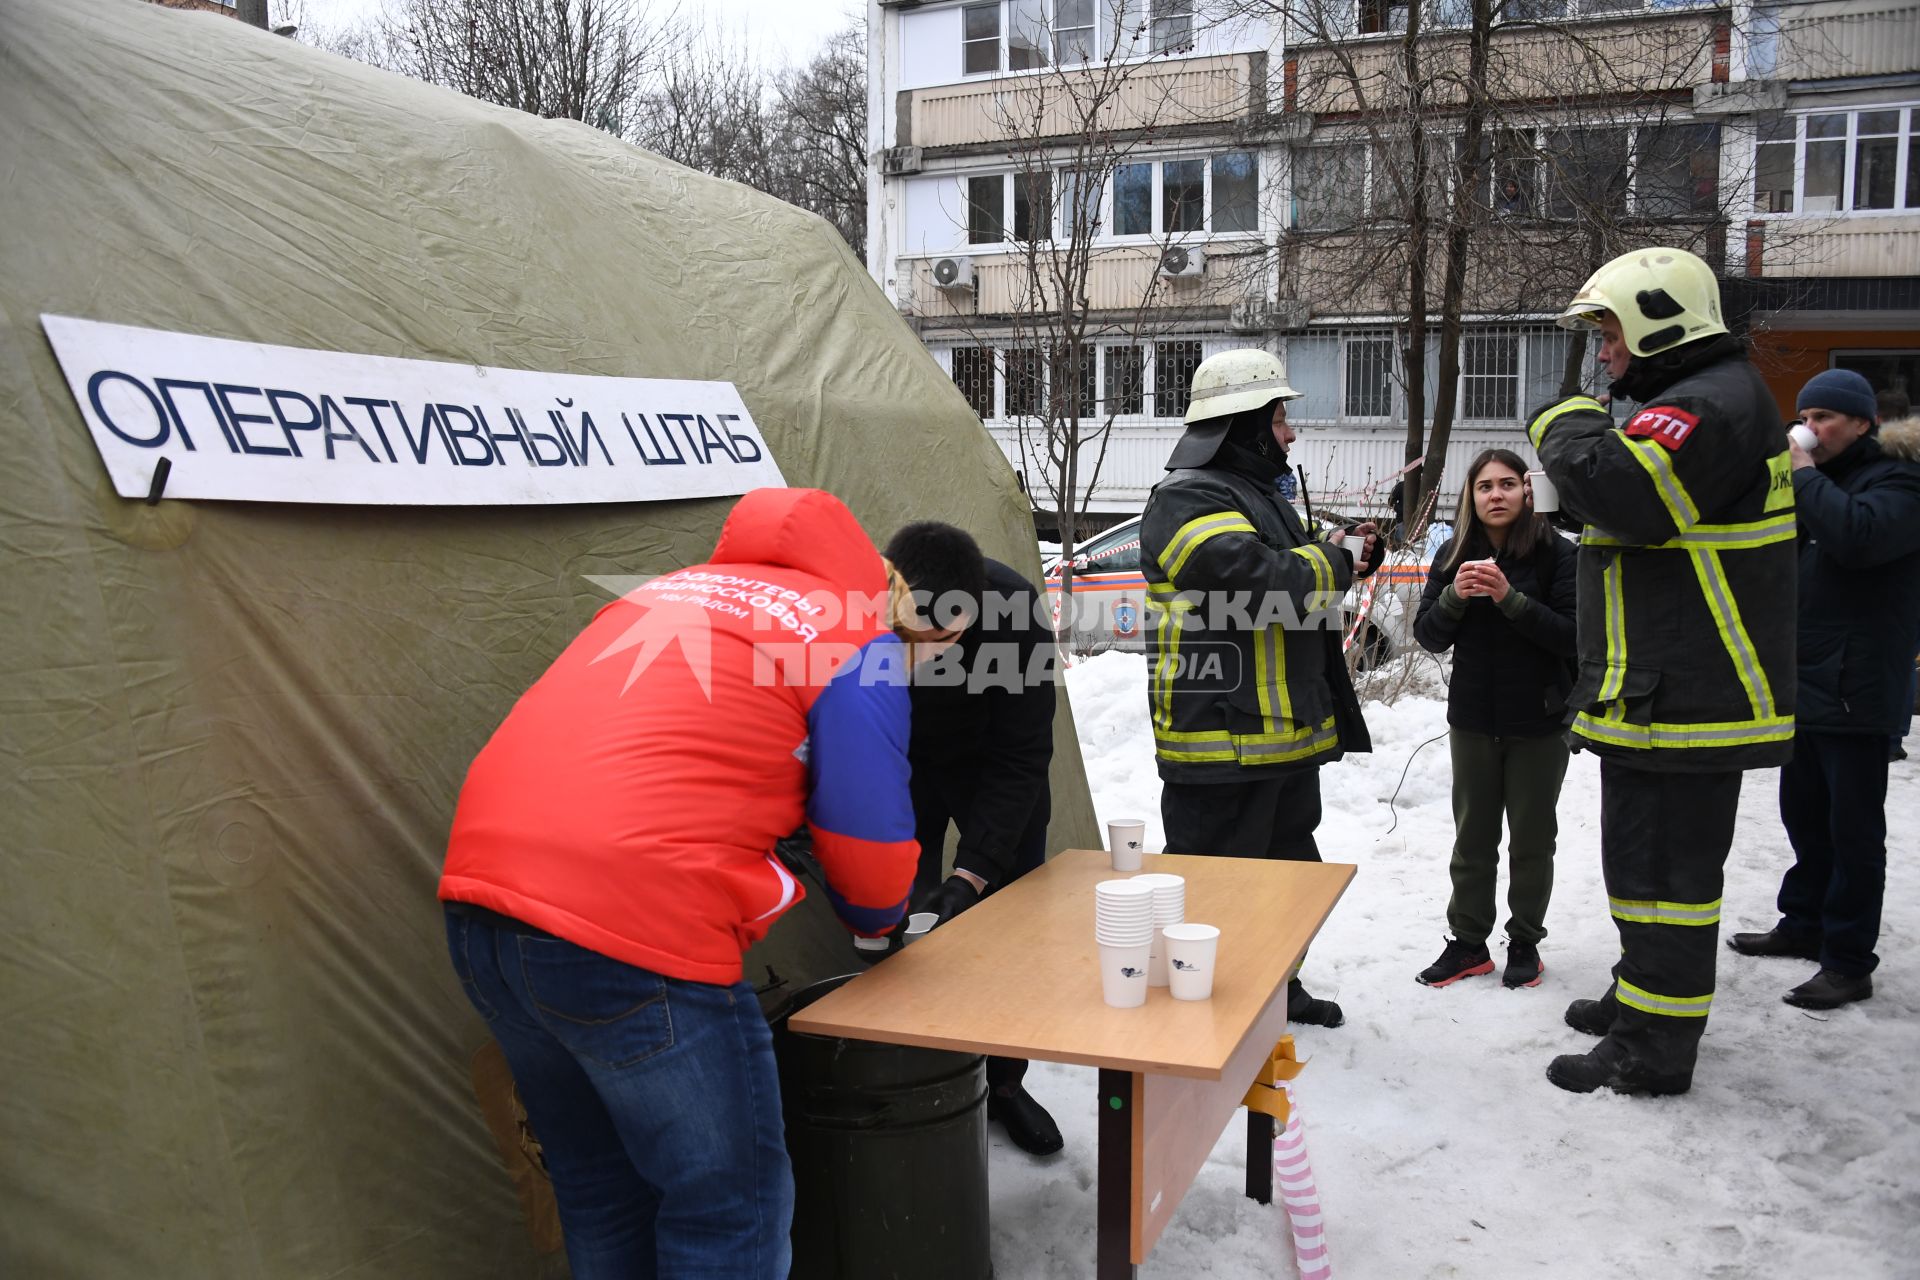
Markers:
point(1026, 35)
point(1369, 375)
point(1024, 386)
point(1125, 383)
point(1080, 205)
point(1183, 196)
point(1490, 375)
point(1329, 186)
point(1074, 383)
point(1676, 170)
point(980, 38)
point(986, 209)
point(973, 374)
point(1032, 205)
point(1236, 191)
point(1173, 366)
point(1172, 25)
point(1133, 200)
point(1836, 162)
point(1073, 31)
point(1586, 173)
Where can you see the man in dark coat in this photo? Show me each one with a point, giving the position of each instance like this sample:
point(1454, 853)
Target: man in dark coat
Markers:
point(1686, 653)
point(1247, 703)
point(981, 746)
point(1858, 493)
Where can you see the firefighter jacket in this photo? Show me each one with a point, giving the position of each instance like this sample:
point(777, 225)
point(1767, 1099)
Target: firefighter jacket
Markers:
point(1244, 664)
point(1686, 570)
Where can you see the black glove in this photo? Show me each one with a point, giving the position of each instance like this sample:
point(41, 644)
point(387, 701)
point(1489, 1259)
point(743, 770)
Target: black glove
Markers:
point(953, 896)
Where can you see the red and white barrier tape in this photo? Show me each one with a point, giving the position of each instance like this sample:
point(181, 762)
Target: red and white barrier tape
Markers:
point(1293, 1176)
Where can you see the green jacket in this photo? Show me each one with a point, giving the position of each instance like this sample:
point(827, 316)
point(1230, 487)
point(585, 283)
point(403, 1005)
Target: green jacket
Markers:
point(1245, 670)
point(1686, 574)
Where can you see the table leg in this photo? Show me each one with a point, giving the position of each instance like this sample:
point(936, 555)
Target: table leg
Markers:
point(1259, 1156)
point(1115, 1176)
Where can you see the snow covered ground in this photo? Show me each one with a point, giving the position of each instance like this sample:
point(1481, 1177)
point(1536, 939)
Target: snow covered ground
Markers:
point(1439, 1146)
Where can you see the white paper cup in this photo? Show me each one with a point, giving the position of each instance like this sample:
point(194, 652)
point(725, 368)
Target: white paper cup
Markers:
point(1802, 434)
point(1127, 841)
point(1123, 975)
point(1157, 960)
point(1546, 497)
point(919, 924)
point(1191, 952)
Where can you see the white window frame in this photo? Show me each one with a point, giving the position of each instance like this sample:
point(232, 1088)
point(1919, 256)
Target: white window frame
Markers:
point(1150, 16)
point(1903, 158)
point(1059, 177)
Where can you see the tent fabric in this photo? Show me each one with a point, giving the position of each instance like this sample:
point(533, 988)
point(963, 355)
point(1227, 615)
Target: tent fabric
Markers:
point(233, 733)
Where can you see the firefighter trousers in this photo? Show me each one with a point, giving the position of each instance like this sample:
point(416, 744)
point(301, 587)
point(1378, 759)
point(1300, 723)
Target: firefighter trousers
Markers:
point(1664, 839)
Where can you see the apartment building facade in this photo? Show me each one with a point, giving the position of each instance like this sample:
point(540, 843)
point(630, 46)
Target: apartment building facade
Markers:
point(1259, 196)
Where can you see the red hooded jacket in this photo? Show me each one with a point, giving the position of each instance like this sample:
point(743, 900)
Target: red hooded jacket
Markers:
point(631, 800)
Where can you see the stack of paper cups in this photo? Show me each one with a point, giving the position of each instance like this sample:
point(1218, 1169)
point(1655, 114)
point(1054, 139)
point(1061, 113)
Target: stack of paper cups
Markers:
point(1123, 926)
point(1169, 907)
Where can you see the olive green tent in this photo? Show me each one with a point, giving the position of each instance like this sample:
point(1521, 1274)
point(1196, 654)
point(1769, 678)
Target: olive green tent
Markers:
point(233, 732)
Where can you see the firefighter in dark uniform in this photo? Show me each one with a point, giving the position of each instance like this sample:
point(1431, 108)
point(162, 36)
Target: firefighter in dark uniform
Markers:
point(1247, 685)
point(1686, 640)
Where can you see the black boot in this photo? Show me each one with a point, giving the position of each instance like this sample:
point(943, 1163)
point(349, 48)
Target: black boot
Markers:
point(1523, 965)
point(1775, 943)
point(1607, 1065)
point(1459, 960)
point(1028, 1124)
point(1303, 1008)
point(1590, 1016)
point(1829, 990)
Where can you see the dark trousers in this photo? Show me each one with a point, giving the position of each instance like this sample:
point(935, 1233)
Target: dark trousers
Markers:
point(1517, 779)
point(1267, 817)
point(942, 796)
point(1833, 802)
point(1664, 839)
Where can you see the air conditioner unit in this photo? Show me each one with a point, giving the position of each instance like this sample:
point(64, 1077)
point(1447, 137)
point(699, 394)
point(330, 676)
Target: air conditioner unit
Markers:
point(1177, 260)
point(898, 161)
point(953, 273)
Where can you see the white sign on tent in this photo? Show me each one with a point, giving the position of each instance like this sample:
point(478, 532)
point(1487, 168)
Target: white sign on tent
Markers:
point(259, 423)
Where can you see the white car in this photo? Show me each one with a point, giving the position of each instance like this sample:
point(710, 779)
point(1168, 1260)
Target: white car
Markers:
point(1110, 594)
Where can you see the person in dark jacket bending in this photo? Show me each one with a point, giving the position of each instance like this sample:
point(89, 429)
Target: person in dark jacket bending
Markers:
point(981, 746)
point(1858, 494)
point(1685, 635)
point(1248, 689)
point(1500, 595)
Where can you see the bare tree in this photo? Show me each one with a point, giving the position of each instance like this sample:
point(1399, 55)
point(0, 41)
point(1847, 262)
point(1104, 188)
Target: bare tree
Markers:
point(824, 116)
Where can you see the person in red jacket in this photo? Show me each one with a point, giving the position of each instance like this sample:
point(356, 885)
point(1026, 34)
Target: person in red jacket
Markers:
point(612, 858)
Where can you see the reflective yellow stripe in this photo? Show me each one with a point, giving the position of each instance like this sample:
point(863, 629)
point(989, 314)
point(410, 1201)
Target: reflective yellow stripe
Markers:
point(1193, 533)
point(1538, 430)
point(1614, 622)
point(1733, 632)
point(1780, 481)
point(1635, 911)
point(1165, 663)
point(1670, 1006)
point(1658, 464)
point(1719, 537)
point(1246, 748)
point(1270, 677)
point(1613, 731)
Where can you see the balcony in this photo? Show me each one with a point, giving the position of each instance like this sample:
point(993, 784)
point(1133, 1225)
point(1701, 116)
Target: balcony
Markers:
point(1856, 245)
point(1584, 61)
point(1124, 279)
point(1187, 94)
point(1838, 38)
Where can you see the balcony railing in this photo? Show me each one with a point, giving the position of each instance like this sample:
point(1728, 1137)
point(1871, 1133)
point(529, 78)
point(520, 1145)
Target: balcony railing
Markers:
point(1647, 53)
point(1118, 280)
point(1858, 245)
point(1838, 38)
point(1053, 103)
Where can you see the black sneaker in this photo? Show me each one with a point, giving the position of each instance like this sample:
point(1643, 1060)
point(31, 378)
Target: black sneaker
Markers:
point(1829, 990)
point(1459, 960)
point(1303, 1008)
point(1523, 965)
point(1028, 1124)
point(1775, 943)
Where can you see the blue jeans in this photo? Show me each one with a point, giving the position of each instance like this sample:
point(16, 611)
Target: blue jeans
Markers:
point(655, 1100)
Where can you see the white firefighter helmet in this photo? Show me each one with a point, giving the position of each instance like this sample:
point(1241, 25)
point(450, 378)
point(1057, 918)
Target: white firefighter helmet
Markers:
point(1234, 381)
point(1662, 298)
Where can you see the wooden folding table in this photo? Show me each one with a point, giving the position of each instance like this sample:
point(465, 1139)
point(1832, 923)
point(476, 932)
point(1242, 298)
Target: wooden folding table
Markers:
point(1016, 976)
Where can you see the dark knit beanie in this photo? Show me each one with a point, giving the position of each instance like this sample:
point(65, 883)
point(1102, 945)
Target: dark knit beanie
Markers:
point(1841, 390)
